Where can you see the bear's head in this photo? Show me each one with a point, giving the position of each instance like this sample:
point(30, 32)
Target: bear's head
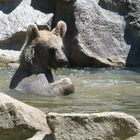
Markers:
point(44, 47)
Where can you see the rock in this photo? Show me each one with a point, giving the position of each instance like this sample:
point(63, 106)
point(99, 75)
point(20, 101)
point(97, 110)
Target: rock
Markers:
point(99, 41)
point(20, 121)
point(15, 16)
point(133, 34)
point(131, 12)
point(99, 126)
point(41, 136)
point(8, 6)
point(95, 36)
point(137, 137)
point(9, 58)
point(99, 31)
point(14, 23)
point(120, 6)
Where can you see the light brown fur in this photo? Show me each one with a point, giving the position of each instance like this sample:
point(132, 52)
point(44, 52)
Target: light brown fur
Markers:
point(41, 52)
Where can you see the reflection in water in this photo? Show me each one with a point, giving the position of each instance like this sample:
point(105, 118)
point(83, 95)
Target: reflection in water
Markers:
point(96, 90)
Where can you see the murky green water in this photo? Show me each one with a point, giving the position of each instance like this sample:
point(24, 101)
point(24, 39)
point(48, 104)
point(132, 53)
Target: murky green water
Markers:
point(96, 90)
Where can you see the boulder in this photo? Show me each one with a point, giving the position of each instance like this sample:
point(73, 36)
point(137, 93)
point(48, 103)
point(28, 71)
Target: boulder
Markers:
point(20, 121)
point(15, 16)
point(40, 135)
point(99, 41)
point(122, 7)
point(98, 126)
point(131, 12)
point(137, 137)
point(95, 36)
point(14, 23)
point(9, 58)
point(99, 31)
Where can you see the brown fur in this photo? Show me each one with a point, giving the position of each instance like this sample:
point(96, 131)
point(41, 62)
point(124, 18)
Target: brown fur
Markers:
point(41, 52)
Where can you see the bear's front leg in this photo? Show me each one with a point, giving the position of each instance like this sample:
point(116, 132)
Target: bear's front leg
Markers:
point(61, 87)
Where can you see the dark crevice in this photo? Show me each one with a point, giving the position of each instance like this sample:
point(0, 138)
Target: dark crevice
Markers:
point(48, 137)
point(13, 43)
point(120, 6)
point(20, 132)
point(46, 6)
point(64, 10)
point(7, 6)
point(133, 58)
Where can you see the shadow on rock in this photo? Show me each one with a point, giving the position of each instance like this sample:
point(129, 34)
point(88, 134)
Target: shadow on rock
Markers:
point(45, 6)
point(13, 43)
point(48, 137)
point(7, 6)
point(133, 58)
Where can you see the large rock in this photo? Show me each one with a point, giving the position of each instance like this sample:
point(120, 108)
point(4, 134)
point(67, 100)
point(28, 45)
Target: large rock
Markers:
point(40, 135)
point(15, 16)
point(97, 36)
point(100, 38)
point(100, 33)
point(9, 58)
point(133, 34)
point(19, 121)
point(97, 126)
point(130, 9)
point(137, 137)
point(14, 25)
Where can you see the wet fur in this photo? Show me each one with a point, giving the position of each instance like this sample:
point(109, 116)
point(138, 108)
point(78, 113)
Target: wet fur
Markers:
point(34, 73)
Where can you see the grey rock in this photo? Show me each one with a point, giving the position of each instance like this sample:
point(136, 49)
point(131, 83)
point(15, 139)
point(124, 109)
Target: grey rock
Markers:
point(20, 121)
point(15, 16)
point(131, 12)
point(137, 137)
point(9, 5)
point(100, 39)
point(9, 58)
point(97, 126)
point(14, 24)
point(40, 135)
point(95, 36)
point(100, 32)
point(133, 34)
point(120, 6)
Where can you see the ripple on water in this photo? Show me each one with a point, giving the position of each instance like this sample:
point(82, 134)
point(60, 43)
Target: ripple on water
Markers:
point(96, 90)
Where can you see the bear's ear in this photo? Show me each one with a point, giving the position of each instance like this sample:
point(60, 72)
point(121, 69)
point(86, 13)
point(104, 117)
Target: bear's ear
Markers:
point(32, 31)
point(60, 29)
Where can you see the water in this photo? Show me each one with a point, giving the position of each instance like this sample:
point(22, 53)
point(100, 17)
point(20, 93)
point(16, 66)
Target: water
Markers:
point(96, 90)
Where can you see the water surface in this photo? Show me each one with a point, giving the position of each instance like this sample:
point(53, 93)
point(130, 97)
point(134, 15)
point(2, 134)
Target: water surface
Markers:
point(96, 90)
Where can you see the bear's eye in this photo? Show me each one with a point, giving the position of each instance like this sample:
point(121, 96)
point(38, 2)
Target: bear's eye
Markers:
point(51, 51)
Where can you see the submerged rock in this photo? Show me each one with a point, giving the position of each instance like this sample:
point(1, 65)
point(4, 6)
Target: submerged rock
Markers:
point(99, 126)
point(19, 121)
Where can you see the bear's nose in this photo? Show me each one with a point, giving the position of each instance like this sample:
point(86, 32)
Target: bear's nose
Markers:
point(63, 63)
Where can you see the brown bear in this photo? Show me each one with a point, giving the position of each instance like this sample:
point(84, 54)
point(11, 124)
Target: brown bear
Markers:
point(41, 52)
